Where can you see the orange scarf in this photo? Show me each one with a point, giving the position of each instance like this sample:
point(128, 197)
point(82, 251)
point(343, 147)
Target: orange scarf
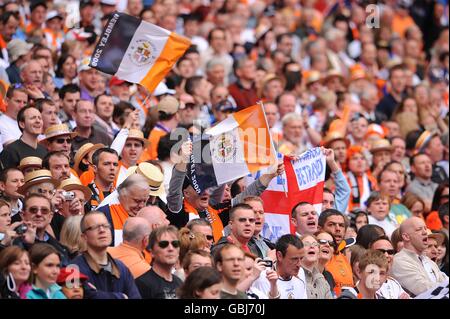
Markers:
point(216, 222)
point(2, 43)
point(119, 215)
point(87, 177)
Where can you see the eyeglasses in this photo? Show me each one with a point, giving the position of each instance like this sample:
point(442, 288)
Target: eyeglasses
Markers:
point(325, 242)
point(243, 220)
point(97, 227)
point(387, 251)
point(62, 140)
point(44, 210)
point(165, 243)
point(210, 237)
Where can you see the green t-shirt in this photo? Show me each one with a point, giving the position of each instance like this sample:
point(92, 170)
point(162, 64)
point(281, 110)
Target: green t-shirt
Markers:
point(239, 295)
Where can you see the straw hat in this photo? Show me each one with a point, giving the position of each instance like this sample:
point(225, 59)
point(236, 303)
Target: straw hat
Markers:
point(74, 183)
point(131, 170)
point(57, 130)
point(266, 79)
point(334, 136)
point(30, 161)
point(312, 77)
point(333, 73)
point(154, 178)
point(82, 152)
point(138, 135)
point(357, 72)
point(37, 177)
point(381, 145)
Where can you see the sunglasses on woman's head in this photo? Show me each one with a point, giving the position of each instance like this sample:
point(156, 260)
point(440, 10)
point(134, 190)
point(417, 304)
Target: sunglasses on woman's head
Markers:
point(165, 243)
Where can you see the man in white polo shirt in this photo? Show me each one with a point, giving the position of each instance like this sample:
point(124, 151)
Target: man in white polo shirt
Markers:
point(291, 281)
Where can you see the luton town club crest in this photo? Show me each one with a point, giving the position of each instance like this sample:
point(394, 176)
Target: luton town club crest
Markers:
point(142, 52)
point(224, 148)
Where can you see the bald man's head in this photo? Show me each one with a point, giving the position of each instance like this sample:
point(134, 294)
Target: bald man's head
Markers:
point(154, 216)
point(135, 230)
point(414, 234)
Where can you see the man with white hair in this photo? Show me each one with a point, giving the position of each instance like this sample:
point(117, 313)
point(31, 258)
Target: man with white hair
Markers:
point(32, 77)
point(132, 196)
point(336, 43)
point(136, 233)
point(293, 131)
point(369, 100)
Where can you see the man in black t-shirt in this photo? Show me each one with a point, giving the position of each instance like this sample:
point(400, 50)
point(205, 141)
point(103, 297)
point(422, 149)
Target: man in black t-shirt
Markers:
point(158, 282)
point(31, 125)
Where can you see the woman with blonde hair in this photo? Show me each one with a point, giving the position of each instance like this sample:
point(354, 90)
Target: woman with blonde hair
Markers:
point(189, 241)
point(71, 236)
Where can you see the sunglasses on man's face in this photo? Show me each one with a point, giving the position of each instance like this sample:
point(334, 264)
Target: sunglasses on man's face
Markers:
point(190, 105)
point(165, 243)
point(62, 140)
point(210, 237)
point(387, 251)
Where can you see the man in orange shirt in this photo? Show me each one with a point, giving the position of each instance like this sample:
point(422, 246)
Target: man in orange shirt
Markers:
point(136, 233)
point(333, 222)
point(38, 12)
point(168, 120)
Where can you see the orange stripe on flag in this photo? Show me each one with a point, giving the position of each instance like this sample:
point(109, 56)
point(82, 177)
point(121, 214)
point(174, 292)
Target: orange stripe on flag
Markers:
point(173, 50)
point(255, 136)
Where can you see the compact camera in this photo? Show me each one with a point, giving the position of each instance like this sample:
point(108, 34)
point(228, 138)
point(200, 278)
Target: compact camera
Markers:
point(21, 229)
point(268, 263)
point(68, 196)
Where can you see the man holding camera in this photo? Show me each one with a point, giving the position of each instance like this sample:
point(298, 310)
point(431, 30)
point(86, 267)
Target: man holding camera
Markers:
point(75, 195)
point(37, 213)
point(291, 281)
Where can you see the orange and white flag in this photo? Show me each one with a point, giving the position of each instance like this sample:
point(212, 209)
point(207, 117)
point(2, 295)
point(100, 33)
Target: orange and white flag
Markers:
point(239, 145)
point(137, 51)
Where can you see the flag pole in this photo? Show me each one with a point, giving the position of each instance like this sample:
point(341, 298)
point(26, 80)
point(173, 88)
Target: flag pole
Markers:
point(260, 102)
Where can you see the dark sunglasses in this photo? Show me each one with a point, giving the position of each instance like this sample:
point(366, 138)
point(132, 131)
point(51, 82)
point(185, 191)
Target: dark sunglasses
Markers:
point(165, 243)
point(243, 220)
point(8, 14)
point(210, 237)
point(62, 140)
point(329, 242)
point(388, 251)
point(190, 105)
